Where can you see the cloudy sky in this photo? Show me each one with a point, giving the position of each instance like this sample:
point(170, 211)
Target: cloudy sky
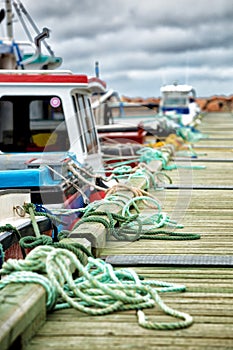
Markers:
point(143, 44)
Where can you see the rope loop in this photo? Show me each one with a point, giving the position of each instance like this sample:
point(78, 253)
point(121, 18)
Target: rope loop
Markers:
point(32, 242)
point(10, 228)
point(145, 199)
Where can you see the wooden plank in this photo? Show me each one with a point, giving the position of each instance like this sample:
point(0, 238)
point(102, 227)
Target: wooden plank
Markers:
point(121, 329)
point(99, 342)
point(22, 311)
point(83, 241)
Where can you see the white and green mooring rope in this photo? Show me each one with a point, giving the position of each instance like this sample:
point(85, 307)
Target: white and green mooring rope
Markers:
point(100, 289)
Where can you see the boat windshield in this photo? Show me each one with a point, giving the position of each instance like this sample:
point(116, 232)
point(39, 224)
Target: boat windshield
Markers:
point(175, 101)
point(32, 124)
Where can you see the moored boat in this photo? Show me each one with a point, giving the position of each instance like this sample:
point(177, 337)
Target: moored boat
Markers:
point(46, 121)
point(178, 103)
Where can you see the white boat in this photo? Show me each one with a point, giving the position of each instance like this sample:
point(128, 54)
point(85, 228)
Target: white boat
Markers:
point(178, 103)
point(47, 126)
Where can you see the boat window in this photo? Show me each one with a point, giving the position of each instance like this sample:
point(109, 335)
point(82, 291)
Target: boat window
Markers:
point(75, 103)
point(86, 121)
point(91, 122)
point(32, 124)
point(175, 101)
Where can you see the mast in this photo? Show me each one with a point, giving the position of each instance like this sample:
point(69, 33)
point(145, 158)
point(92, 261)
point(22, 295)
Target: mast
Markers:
point(9, 15)
point(12, 55)
point(7, 57)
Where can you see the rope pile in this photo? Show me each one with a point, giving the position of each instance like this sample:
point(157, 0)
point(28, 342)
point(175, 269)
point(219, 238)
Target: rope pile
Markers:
point(128, 226)
point(99, 289)
point(123, 226)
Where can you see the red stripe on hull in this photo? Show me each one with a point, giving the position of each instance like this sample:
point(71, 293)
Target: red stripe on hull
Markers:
point(43, 78)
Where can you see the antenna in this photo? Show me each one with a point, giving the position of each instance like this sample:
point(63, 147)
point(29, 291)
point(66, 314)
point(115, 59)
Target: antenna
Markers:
point(187, 69)
point(97, 70)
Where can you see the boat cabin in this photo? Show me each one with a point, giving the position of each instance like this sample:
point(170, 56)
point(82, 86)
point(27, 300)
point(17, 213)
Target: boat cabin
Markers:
point(178, 103)
point(49, 111)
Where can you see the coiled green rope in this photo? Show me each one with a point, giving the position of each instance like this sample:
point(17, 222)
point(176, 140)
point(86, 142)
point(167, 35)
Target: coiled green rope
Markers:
point(156, 221)
point(109, 220)
point(129, 227)
point(99, 291)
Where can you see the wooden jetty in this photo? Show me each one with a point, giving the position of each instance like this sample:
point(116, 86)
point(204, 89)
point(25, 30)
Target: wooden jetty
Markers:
point(201, 200)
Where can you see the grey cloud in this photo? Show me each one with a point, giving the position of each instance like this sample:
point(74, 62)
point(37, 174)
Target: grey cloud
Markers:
point(140, 44)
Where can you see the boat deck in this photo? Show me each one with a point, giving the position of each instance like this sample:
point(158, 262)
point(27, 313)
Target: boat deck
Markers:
point(201, 200)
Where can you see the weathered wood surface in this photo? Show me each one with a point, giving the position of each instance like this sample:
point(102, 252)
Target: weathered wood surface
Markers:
point(200, 211)
point(209, 293)
point(22, 312)
point(215, 173)
point(208, 298)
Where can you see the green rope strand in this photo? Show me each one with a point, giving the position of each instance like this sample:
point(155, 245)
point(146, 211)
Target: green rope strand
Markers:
point(133, 201)
point(109, 220)
point(121, 170)
point(10, 228)
point(30, 207)
point(14, 230)
point(169, 235)
point(78, 249)
point(30, 242)
point(34, 222)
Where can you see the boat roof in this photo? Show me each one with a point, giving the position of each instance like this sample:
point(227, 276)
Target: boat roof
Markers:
point(177, 87)
point(58, 77)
